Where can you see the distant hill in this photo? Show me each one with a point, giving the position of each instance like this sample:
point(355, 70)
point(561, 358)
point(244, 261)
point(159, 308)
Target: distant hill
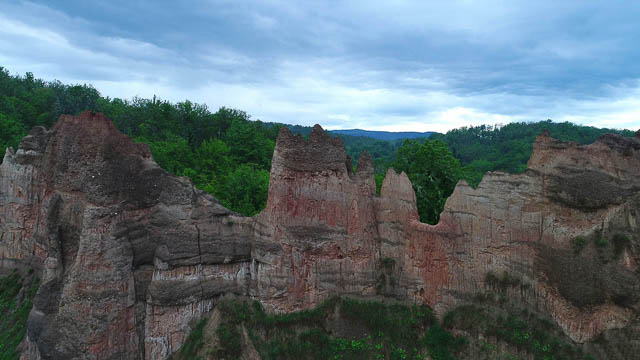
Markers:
point(384, 135)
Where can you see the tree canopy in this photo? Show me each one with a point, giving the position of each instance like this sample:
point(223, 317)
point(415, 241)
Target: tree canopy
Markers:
point(433, 171)
point(229, 155)
point(224, 153)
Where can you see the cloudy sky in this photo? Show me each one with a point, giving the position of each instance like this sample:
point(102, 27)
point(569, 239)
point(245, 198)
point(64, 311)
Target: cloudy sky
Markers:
point(381, 65)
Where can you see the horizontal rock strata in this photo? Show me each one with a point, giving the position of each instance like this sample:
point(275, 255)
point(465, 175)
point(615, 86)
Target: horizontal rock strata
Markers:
point(131, 256)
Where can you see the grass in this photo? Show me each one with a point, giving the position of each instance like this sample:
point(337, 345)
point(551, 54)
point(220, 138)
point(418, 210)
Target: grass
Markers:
point(194, 341)
point(382, 330)
point(386, 331)
point(230, 341)
point(537, 337)
point(14, 312)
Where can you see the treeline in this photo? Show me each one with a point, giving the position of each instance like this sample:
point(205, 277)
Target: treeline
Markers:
point(436, 164)
point(228, 155)
point(383, 151)
point(508, 147)
point(224, 153)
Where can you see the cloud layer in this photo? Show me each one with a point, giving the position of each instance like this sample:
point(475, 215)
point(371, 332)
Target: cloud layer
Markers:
point(420, 66)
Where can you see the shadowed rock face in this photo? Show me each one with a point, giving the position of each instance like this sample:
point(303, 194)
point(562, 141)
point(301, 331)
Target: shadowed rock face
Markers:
point(130, 255)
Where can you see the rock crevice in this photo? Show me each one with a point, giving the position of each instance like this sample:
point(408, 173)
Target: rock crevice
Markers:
point(131, 256)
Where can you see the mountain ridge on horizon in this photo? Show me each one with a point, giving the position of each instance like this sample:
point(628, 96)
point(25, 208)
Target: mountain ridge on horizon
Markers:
point(373, 134)
point(384, 135)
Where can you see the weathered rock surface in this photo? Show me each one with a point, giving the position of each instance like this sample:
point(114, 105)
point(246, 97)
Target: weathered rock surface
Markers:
point(131, 256)
point(128, 253)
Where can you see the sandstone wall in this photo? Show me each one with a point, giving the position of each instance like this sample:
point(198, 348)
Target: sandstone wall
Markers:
point(131, 256)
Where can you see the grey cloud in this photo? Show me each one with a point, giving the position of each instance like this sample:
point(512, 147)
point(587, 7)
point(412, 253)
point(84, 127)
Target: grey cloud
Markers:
point(371, 64)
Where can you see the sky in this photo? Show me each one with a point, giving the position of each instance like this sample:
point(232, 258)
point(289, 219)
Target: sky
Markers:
point(378, 65)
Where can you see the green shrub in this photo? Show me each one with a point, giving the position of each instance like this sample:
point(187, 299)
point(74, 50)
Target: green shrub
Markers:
point(14, 312)
point(601, 241)
point(393, 331)
point(502, 282)
point(579, 243)
point(441, 343)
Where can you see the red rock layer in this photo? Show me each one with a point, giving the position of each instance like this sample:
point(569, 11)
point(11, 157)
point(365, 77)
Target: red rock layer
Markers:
point(130, 256)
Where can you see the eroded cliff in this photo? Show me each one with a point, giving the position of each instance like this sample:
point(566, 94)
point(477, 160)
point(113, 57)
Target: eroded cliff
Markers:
point(130, 256)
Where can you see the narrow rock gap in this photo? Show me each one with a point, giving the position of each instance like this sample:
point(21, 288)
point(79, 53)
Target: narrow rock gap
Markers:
point(200, 264)
point(139, 317)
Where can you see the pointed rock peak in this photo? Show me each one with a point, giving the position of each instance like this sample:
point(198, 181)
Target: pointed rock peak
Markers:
point(638, 133)
point(285, 133)
point(96, 135)
point(397, 186)
point(320, 152)
point(317, 128)
point(365, 164)
point(9, 154)
point(544, 137)
point(33, 145)
point(318, 133)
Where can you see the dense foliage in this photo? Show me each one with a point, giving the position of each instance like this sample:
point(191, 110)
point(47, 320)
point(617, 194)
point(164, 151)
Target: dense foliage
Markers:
point(384, 135)
point(383, 152)
point(508, 147)
point(433, 171)
point(435, 165)
point(229, 156)
point(16, 294)
point(223, 153)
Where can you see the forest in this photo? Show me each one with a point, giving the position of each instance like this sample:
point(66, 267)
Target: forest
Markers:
point(228, 154)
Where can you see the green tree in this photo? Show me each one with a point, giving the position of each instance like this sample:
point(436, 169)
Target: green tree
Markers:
point(433, 171)
point(244, 190)
point(173, 155)
point(11, 132)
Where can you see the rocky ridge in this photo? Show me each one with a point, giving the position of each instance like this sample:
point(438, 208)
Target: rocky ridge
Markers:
point(130, 256)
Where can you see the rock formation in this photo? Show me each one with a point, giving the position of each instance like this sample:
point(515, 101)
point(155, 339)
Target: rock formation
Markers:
point(130, 255)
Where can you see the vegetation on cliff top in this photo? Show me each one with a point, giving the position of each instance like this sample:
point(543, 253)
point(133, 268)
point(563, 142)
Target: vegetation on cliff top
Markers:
point(229, 156)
